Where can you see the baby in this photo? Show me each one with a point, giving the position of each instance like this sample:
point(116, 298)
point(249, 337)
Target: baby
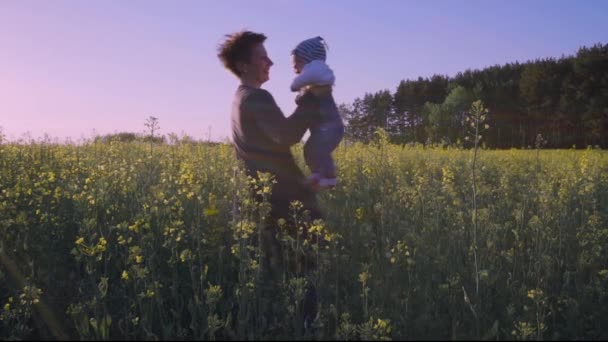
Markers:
point(326, 133)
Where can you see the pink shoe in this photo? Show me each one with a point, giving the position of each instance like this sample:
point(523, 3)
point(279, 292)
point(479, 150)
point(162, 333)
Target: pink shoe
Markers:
point(313, 181)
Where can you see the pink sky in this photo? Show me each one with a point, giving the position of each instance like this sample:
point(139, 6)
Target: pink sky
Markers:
point(72, 68)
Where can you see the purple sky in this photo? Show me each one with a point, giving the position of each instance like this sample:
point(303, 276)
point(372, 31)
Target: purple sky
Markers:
point(72, 69)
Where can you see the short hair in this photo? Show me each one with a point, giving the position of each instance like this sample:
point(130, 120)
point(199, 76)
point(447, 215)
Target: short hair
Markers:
point(237, 48)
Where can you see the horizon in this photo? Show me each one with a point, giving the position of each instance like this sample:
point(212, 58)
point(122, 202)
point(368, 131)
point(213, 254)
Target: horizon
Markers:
point(142, 133)
point(75, 71)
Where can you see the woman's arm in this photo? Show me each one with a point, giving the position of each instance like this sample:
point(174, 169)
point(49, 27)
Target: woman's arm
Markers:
point(270, 118)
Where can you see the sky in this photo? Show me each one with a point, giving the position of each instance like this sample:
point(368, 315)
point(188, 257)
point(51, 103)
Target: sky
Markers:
point(72, 69)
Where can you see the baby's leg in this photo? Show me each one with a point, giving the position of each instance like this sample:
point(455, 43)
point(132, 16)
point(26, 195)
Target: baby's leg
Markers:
point(311, 154)
point(321, 144)
point(327, 168)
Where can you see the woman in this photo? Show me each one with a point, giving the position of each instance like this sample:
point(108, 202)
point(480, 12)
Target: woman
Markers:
point(262, 137)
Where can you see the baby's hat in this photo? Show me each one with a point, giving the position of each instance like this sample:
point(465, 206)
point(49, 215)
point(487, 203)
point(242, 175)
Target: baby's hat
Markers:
point(311, 49)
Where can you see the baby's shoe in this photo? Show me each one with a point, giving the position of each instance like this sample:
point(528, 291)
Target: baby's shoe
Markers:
point(313, 181)
point(325, 183)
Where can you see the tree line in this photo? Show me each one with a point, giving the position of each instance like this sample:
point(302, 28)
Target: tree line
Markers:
point(565, 100)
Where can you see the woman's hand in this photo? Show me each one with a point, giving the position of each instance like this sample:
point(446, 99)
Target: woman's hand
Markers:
point(306, 98)
point(312, 92)
point(310, 104)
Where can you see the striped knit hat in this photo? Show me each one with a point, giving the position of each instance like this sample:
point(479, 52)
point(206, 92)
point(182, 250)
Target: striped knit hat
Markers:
point(311, 49)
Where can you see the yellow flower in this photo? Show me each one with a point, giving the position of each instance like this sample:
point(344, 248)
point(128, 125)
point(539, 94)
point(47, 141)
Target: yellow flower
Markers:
point(125, 275)
point(101, 246)
point(381, 324)
point(211, 212)
point(359, 214)
point(80, 241)
point(364, 277)
point(316, 228)
point(139, 259)
point(535, 293)
point(185, 255)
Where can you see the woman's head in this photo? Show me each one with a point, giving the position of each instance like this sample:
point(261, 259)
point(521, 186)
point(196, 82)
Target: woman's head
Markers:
point(243, 53)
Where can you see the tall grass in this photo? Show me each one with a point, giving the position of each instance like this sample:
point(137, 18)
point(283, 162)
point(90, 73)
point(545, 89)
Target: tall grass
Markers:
point(110, 241)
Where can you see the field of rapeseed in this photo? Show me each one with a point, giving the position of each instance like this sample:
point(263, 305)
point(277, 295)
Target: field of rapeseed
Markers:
point(124, 241)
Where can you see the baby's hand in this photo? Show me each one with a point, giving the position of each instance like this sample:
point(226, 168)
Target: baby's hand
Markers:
point(321, 90)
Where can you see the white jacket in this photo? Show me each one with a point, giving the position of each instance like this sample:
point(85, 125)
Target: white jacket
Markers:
point(314, 73)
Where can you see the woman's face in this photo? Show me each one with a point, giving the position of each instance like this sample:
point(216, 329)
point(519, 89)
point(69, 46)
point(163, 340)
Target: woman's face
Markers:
point(258, 68)
point(298, 63)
